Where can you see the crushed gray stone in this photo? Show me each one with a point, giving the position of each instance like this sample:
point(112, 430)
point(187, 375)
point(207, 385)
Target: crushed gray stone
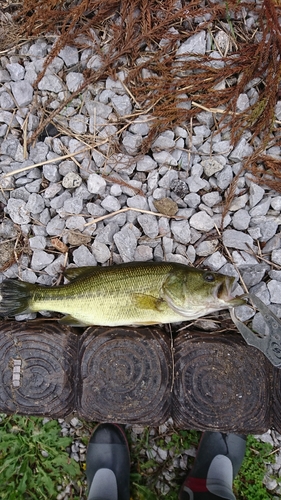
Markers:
point(202, 221)
point(71, 181)
point(132, 143)
point(241, 220)
point(244, 312)
point(143, 253)
point(126, 243)
point(196, 44)
point(37, 242)
point(276, 203)
point(170, 177)
point(55, 226)
point(211, 166)
point(206, 248)
point(78, 124)
point(52, 83)
point(275, 275)
point(4, 76)
point(121, 163)
point(192, 200)
point(268, 230)
point(69, 55)
point(22, 92)
point(225, 177)
point(75, 222)
point(16, 208)
point(96, 184)
point(58, 201)
point(242, 150)
point(192, 168)
point(165, 158)
point(111, 204)
point(252, 275)
point(83, 257)
point(242, 258)
point(195, 184)
point(105, 235)
point(8, 118)
point(138, 201)
point(41, 259)
point(140, 126)
point(239, 202)
point(215, 261)
point(261, 208)
point(261, 291)
point(149, 225)
point(256, 194)
point(100, 251)
point(274, 288)
point(180, 231)
point(73, 205)
point(122, 104)
point(242, 102)
point(211, 199)
point(237, 239)
point(163, 142)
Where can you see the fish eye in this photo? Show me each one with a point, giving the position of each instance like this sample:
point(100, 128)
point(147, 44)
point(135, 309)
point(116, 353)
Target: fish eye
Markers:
point(209, 277)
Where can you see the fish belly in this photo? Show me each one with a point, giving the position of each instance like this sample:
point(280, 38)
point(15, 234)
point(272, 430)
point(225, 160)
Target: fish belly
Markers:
point(112, 297)
point(113, 310)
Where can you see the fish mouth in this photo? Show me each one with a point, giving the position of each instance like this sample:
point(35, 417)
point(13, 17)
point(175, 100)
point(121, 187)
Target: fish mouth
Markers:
point(223, 293)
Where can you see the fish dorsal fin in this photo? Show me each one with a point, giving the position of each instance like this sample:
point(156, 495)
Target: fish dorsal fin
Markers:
point(148, 302)
point(74, 273)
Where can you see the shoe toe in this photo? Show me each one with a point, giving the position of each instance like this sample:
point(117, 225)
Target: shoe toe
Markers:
point(108, 449)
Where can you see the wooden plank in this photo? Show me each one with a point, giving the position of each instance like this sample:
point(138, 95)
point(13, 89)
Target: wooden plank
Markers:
point(276, 400)
point(37, 368)
point(221, 384)
point(134, 375)
point(125, 375)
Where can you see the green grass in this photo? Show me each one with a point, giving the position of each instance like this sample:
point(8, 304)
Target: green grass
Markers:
point(149, 479)
point(33, 459)
point(34, 462)
point(248, 484)
point(148, 476)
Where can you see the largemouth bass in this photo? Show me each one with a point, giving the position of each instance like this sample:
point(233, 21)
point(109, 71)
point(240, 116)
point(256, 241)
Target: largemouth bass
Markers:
point(138, 293)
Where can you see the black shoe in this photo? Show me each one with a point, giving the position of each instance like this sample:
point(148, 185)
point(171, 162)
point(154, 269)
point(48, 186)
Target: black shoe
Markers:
point(108, 464)
point(217, 462)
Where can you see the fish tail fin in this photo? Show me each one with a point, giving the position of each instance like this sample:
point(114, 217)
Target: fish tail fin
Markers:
point(15, 297)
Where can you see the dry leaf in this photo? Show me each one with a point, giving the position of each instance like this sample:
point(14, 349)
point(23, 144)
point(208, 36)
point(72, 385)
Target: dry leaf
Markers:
point(59, 245)
point(76, 239)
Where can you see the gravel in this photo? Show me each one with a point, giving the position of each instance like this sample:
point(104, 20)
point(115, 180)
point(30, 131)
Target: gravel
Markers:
point(72, 199)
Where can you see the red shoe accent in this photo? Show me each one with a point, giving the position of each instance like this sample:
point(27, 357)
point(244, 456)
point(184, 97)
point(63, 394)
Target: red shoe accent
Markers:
point(196, 484)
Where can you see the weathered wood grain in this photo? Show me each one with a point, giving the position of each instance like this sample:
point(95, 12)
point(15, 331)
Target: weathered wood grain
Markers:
point(37, 368)
point(221, 384)
point(138, 375)
point(276, 400)
point(125, 375)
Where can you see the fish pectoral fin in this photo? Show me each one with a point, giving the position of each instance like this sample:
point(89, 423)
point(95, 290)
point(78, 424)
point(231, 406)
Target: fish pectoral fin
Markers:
point(70, 321)
point(148, 302)
point(74, 273)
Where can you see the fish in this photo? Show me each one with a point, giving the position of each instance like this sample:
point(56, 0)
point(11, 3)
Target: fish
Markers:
point(135, 293)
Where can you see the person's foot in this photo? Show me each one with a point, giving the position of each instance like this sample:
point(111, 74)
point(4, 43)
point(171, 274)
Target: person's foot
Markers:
point(217, 462)
point(108, 464)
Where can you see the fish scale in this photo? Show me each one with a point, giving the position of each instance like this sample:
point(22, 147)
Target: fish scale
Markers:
point(116, 288)
point(127, 294)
